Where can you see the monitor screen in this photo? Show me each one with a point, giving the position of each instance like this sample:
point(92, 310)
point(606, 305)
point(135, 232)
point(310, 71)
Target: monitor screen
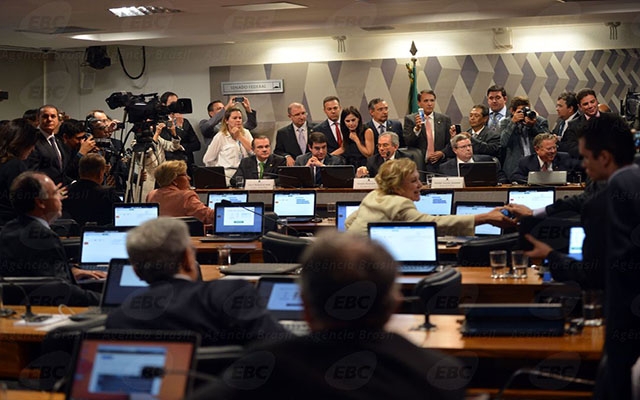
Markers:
point(532, 198)
point(294, 204)
point(473, 209)
point(407, 241)
point(435, 203)
point(232, 196)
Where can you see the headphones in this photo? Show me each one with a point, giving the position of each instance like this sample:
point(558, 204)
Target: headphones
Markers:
point(88, 123)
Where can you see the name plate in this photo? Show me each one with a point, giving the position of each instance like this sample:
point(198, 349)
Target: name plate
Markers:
point(447, 182)
point(259, 184)
point(365, 183)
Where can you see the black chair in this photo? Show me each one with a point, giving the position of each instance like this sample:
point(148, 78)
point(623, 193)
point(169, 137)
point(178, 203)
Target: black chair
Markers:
point(46, 291)
point(438, 293)
point(66, 227)
point(196, 227)
point(475, 252)
point(213, 360)
point(282, 248)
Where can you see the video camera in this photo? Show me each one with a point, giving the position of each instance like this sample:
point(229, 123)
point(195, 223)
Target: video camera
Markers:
point(630, 109)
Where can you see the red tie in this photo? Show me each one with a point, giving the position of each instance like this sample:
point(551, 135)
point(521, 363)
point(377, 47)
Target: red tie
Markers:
point(338, 134)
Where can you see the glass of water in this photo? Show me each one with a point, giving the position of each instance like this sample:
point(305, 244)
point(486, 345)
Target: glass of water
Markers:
point(498, 260)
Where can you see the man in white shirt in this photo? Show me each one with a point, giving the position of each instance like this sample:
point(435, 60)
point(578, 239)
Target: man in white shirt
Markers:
point(497, 100)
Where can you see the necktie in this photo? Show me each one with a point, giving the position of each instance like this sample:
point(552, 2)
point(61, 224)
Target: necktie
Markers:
point(381, 128)
point(52, 142)
point(430, 146)
point(302, 140)
point(260, 170)
point(561, 127)
point(338, 134)
point(493, 123)
point(545, 167)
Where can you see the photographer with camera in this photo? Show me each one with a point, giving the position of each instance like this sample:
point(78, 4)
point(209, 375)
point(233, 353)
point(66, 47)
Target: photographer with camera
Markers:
point(216, 109)
point(76, 144)
point(517, 133)
point(179, 127)
point(101, 127)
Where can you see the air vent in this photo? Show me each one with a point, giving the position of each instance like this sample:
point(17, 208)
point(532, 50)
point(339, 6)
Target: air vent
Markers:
point(377, 28)
point(58, 31)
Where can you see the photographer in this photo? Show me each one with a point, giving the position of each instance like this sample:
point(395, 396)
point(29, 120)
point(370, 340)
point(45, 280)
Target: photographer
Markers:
point(101, 127)
point(76, 144)
point(179, 127)
point(210, 127)
point(517, 133)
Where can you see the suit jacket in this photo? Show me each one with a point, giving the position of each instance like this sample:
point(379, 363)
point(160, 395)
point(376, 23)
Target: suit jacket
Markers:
point(44, 158)
point(486, 142)
point(375, 161)
point(287, 141)
point(210, 127)
point(390, 125)
point(313, 367)
point(216, 309)
point(332, 143)
point(569, 141)
point(511, 142)
point(8, 172)
point(328, 160)
point(248, 167)
point(441, 136)
point(89, 202)
point(450, 167)
point(562, 162)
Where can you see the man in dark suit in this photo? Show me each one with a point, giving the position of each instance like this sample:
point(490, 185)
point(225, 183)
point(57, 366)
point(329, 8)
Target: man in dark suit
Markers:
point(335, 267)
point(330, 127)
point(76, 144)
point(28, 246)
point(317, 156)
point(463, 149)
point(179, 127)
point(291, 140)
point(223, 312)
point(484, 140)
point(547, 158)
point(388, 144)
point(87, 200)
point(567, 109)
point(588, 106)
point(430, 136)
point(380, 122)
point(262, 164)
point(48, 155)
point(497, 100)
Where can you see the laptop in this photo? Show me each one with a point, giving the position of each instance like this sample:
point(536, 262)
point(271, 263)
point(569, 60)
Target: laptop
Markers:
point(337, 176)
point(296, 176)
point(479, 173)
point(534, 198)
point(281, 296)
point(413, 245)
point(134, 214)
point(235, 196)
point(295, 206)
point(133, 365)
point(473, 208)
point(209, 178)
point(554, 178)
point(99, 245)
point(576, 238)
point(343, 210)
point(237, 222)
point(435, 202)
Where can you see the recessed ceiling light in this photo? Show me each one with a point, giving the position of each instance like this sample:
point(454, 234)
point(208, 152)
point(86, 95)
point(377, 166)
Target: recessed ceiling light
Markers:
point(282, 5)
point(141, 11)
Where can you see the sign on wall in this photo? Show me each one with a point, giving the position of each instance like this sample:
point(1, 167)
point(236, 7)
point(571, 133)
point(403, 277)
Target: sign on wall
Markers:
point(252, 87)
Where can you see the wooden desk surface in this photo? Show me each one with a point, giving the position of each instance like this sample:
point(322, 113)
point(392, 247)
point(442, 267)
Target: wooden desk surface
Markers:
point(31, 395)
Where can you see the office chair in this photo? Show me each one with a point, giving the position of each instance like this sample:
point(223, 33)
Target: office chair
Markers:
point(475, 252)
point(196, 227)
point(282, 248)
point(45, 291)
point(438, 293)
point(66, 227)
point(213, 360)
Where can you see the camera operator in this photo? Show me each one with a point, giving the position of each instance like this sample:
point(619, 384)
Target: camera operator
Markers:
point(179, 127)
point(517, 133)
point(76, 144)
point(101, 127)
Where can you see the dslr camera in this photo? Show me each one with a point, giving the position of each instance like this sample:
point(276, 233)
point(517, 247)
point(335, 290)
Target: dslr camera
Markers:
point(529, 113)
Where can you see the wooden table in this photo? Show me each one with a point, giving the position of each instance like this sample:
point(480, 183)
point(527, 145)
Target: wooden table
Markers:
point(241, 251)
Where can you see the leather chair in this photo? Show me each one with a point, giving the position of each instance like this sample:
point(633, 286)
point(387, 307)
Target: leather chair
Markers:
point(475, 252)
point(438, 293)
point(282, 248)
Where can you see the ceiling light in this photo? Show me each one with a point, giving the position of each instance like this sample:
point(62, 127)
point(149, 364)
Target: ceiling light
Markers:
point(140, 11)
point(282, 5)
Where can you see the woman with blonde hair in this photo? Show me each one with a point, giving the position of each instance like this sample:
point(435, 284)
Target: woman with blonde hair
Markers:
point(398, 188)
point(175, 196)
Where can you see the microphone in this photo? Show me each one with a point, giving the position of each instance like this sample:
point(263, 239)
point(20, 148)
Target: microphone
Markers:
point(278, 221)
point(29, 315)
point(429, 173)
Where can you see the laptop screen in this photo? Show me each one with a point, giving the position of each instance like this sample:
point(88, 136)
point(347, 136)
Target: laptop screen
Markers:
point(101, 245)
point(238, 218)
point(124, 365)
point(134, 214)
point(532, 198)
point(281, 297)
point(343, 210)
point(435, 203)
point(294, 204)
point(576, 238)
point(122, 282)
point(234, 197)
point(479, 208)
point(407, 241)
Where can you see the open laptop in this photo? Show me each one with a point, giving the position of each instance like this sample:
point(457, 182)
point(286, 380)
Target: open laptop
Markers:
point(99, 245)
point(133, 365)
point(235, 196)
point(555, 178)
point(296, 176)
point(435, 202)
point(480, 173)
point(337, 176)
point(413, 245)
point(295, 206)
point(134, 214)
point(473, 208)
point(237, 222)
point(534, 198)
point(209, 178)
point(281, 296)
point(343, 210)
point(576, 238)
